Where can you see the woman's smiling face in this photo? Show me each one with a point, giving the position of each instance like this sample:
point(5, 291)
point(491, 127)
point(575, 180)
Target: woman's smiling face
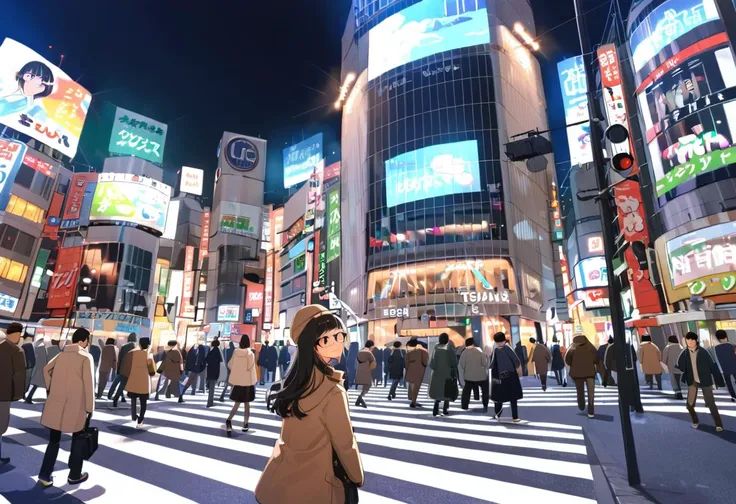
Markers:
point(33, 84)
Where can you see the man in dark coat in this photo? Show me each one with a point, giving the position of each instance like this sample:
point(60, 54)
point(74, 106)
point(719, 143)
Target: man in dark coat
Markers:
point(197, 365)
point(284, 359)
point(386, 371)
point(726, 354)
point(214, 358)
point(263, 362)
point(700, 372)
point(12, 377)
point(523, 356)
point(582, 358)
point(272, 361)
point(602, 362)
point(30, 355)
point(228, 356)
point(118, 384)
point(612, 366)
point(395, 368)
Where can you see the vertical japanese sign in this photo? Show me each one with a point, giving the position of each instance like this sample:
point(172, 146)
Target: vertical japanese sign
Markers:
point(314, 197)
point(53, 219)
point(333, 224)
point(75, 198)
point(137, 135)
point(163, 281)
point(268, 291)
point(39, 268)
point(573, 84)
point(186, 309)
point(39, 100)
point(64, 282)
point(629, 204)
point(11, 157)
point(204, 239)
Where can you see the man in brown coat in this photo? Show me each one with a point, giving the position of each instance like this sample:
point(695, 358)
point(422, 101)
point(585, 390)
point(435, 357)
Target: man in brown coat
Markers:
point(541, 357)
point(417, 359)
point(69, 406)
point(582, 357)
point(171, 369)
point(12, 378)
point(108, 362)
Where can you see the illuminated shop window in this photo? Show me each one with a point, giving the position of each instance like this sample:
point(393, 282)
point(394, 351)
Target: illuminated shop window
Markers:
point(26, 209)
point(12, 270)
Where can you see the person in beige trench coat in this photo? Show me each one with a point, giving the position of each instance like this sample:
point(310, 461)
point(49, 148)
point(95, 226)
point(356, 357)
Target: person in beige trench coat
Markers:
point(316, 428)
point(139, 368)
point(650, 358)
point(69, 379)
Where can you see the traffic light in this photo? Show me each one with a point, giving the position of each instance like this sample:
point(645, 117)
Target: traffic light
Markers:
point(623, 161)
point(467, 321)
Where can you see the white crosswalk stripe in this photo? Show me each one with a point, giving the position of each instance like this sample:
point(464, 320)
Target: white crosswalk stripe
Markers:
point(408, 455)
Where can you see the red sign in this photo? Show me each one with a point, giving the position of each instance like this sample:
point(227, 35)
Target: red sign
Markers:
point(237, 331)
point(332, 171)
point(204, 240)
point(53, 217)
point(75, 196)
point(62, 287)
point(38, 165)
point(608, 60)
point(268, 291)
point(186, 309)
point(254, 296)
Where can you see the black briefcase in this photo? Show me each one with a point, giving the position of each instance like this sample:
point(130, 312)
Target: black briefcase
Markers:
point(89, 442)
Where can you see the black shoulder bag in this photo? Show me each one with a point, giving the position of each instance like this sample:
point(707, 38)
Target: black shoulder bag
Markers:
point(351, 489)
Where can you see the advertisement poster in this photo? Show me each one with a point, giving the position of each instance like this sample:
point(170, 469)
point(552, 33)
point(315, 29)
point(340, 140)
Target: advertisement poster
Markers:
point(137, 135)
point(301, 159)
point(40, 100)
point(571, 73)
point(122, 197)
point(228, 313)
point(192, 180)
point(438, 170)
point(204, 239)
point(334, 225)
point(423, 29)
point(240, 219)
point(254, 296)
point(63, 285)
point(591, 272)
point(186, 309)
point(11, 157)
point(668, 22)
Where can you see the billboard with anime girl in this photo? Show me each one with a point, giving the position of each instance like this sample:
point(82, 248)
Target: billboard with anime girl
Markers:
point(39, 100)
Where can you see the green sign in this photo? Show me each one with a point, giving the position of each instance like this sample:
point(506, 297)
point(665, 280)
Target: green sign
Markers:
point(300, 263)
point(40, 268)
point(697, 165)
point(333, 224)
point(137, 135)
point(163, 281)
point(322, 272)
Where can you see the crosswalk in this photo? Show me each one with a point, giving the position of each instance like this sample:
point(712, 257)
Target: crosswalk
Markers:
point(182, 455)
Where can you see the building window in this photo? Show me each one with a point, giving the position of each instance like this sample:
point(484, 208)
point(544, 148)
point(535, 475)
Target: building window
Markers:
point(16, 241)
point(12, 270)
point(26, 209)
point(35, 181)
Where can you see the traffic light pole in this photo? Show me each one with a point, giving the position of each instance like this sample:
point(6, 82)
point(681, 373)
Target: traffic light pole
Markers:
point(625, 376)
point(728, 15)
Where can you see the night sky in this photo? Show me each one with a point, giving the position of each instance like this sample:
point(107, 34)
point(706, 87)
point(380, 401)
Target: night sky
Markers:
point(245, 66)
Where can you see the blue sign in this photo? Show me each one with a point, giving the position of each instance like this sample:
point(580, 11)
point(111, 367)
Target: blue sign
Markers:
point(574, 89)
point(424, 29)
point(129, 328)
point(301, 159)
point(668, 22)
point(89, 193)
point(8, 303)
point(242, 154)
point(53, 220)
point(438, 170)
point(11, 157)
point(69, 224)
point(249, 316)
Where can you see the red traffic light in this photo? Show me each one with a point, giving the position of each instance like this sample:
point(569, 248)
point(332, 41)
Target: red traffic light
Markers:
point(622, 162)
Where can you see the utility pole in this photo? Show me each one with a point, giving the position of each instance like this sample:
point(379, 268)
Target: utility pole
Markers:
point(625, 375)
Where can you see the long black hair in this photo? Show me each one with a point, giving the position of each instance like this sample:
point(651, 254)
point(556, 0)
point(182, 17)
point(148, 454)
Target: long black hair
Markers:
point(283, 399)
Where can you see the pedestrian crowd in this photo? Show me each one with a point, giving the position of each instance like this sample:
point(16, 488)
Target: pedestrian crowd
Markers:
point(311, 394)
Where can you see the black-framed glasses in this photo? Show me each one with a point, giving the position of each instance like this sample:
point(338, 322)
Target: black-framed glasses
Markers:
point(325, 341)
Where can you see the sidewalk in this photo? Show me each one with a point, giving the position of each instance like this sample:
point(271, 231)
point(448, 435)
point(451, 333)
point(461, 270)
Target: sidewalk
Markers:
point(677, 464)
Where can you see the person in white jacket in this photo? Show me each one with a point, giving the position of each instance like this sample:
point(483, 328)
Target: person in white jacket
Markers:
point(243, 378)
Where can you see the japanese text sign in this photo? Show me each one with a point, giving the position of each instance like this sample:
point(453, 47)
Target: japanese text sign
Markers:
point(706, 252)
point(301, 159)
point(192, 180)
point(137, 135)
point(333, 225)
point(204, 240)
point(11, 155)
point(63, 285)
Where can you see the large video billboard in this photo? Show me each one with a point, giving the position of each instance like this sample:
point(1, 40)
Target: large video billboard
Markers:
point(573, 85)
point(424, 29)
point(39, 100)
point(301, 159)
point(137, 135)
point(122, 197)
point(240, 219)
point(704, 253)
point(668, 22)
point(438, 170)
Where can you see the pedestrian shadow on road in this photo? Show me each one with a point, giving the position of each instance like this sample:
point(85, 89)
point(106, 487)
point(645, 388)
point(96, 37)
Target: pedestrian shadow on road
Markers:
point(726, 435)
point(599, 417)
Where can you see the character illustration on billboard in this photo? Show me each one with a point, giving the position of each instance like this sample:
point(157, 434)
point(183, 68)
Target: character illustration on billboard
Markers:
point(584, 137)
point(633, 221)
point(35, 80)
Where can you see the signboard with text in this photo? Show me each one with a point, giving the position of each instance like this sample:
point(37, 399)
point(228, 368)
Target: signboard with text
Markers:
point(204, 240)
point(192, 180)
point(186, 309)
point(63, 285)
point(334, 225)
point(301, 159)
point(11, 157)
point(137, 135)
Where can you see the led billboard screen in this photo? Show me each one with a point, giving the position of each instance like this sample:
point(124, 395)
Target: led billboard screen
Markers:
point(240, 219)
point(703, 253)
point(122, 197)
point(301, 159)
point(591, 272)
point(137, 135)
point(424, 29)
point(39, 100)
point(438, 170)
